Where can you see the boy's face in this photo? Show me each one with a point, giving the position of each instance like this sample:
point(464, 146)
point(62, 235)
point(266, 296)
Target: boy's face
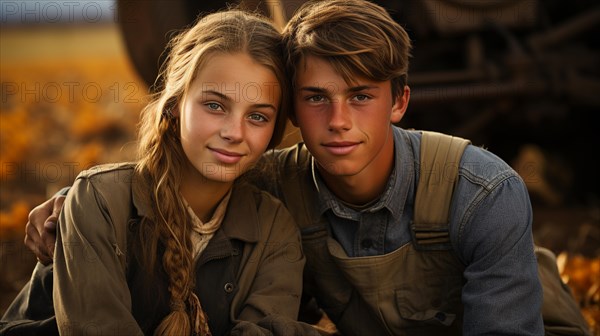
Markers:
point(347, 127)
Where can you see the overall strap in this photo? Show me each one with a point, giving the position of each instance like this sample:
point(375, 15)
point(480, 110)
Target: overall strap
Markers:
point(440, 159)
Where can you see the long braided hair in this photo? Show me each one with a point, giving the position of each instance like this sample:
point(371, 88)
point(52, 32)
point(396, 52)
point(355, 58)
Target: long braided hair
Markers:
point(161, 157)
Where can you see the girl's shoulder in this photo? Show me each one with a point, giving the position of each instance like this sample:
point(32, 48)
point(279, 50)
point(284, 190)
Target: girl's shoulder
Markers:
point(122, 171)
point(259, 210)
point(261, 200)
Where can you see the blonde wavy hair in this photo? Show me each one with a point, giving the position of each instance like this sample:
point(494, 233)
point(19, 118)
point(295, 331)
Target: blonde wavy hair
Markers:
point(161, 157)
point(358, 38)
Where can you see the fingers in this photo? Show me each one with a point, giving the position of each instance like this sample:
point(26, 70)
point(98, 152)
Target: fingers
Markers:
point(48, 234)
point(50, 224)
point(35, 229)
point(31, 237)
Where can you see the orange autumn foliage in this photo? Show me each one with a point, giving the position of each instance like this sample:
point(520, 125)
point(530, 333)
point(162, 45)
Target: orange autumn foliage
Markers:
point(583, 277)
point(11, 221)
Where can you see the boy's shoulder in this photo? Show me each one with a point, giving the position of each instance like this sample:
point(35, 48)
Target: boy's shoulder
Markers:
point(477, 162)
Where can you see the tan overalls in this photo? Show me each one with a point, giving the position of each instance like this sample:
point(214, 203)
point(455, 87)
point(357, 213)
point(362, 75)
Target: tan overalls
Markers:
point(415, 290)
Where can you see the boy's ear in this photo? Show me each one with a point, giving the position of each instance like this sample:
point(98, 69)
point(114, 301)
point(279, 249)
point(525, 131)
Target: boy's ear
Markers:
point(400, 105)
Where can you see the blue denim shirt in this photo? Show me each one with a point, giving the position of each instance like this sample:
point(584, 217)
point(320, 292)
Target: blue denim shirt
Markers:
point(490, 231)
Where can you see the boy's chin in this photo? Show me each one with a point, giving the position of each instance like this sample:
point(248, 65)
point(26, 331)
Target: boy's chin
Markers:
point(339, 168)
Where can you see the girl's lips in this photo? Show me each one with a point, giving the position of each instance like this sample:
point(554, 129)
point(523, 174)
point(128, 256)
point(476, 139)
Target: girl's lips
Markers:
point(340, 148)
point(226, 156)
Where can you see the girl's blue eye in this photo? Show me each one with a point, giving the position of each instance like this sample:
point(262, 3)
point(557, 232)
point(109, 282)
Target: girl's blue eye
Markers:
point(258, 117)
point(213, 106)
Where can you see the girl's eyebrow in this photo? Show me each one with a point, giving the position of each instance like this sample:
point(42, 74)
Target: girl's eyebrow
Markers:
point(216, 93)
point(265, 106)
point(229, 99)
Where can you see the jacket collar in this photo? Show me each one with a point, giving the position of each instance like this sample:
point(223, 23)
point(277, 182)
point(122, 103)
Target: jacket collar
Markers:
point(241, 218)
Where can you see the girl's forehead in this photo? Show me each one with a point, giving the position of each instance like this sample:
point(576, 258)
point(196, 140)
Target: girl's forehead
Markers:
point(238, 77)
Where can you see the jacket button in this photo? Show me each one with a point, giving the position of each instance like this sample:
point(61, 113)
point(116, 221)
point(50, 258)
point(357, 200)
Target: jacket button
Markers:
point(228, 287)
point(236, 251)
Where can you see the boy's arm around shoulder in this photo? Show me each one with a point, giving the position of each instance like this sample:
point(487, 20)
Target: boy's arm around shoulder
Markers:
point(502, 294)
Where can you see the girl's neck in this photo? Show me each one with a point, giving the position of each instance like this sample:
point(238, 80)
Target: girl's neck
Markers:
point(201, 194)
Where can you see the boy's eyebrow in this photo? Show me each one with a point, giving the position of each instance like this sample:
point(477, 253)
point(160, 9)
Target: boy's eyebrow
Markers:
point(359, 88)
point(313, 89)
point(229, 99)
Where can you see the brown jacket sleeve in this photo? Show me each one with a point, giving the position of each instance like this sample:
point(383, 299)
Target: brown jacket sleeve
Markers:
point(90, 290)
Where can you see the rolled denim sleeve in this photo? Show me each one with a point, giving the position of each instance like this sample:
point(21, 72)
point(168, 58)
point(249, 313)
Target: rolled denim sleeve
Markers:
point(502, 294)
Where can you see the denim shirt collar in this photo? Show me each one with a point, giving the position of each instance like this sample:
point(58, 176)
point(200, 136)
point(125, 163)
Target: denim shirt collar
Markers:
point(395, 195)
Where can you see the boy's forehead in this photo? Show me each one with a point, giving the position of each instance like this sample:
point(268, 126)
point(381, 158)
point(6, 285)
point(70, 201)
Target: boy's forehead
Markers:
point(314, 67)
point(310, 62)
point(318, 71)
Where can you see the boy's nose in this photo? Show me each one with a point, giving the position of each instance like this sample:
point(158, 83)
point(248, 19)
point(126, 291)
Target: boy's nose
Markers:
point(339, 119)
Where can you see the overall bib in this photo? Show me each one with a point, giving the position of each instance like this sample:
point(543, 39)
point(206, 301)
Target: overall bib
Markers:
point(414, 290)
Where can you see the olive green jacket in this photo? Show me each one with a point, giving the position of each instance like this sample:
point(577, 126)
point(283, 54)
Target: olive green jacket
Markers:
point(91, 290)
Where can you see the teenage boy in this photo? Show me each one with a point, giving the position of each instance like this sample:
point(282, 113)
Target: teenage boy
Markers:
point(351, 187)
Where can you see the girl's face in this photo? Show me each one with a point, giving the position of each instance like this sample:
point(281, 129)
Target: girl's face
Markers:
point(228, 116)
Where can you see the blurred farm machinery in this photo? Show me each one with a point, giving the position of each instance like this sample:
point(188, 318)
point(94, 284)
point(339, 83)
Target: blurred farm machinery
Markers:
point(503, 73)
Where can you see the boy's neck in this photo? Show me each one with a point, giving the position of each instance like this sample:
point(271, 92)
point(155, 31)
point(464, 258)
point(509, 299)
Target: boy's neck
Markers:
point(356, 190)
point(361, 188)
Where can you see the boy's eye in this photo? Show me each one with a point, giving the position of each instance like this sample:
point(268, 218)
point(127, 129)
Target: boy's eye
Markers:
point(316, 98)
point(361, 97)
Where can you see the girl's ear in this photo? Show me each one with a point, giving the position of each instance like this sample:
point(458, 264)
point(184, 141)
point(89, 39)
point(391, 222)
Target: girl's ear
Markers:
point(175, 111)
point(400, 105)
point(292, 117)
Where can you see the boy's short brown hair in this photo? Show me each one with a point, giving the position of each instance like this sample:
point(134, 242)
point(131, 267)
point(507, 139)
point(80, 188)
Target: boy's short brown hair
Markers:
point(358, 38)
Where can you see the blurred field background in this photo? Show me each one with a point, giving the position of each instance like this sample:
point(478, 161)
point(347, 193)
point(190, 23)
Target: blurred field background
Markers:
point(71, 99)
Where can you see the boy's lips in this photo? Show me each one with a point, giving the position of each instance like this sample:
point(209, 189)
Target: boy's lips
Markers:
point(340, 147)
point(226, 156)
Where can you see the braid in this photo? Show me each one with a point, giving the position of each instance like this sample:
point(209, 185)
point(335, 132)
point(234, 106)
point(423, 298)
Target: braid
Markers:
point(161, 158)
point(160, 168)
point(177, 264)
